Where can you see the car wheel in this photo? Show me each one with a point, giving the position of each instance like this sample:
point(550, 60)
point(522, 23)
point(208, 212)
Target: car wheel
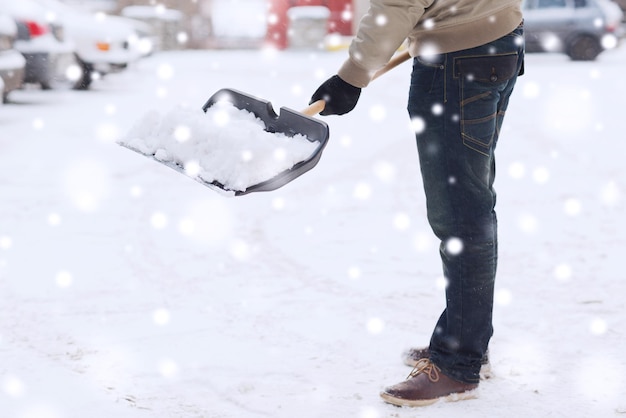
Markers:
point(70, 73)
point(584, 48)
point(85, 79)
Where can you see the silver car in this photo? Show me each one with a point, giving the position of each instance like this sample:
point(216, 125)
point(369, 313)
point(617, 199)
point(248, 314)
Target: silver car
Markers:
point(12, 63)
point(580, 28)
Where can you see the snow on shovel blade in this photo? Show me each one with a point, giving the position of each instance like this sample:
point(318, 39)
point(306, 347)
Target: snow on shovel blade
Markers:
point(288, 122)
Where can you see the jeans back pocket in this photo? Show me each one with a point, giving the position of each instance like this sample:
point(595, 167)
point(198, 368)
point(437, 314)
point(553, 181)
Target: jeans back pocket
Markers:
point(482, 80)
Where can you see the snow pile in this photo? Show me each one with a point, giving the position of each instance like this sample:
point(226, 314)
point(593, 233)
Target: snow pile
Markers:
point(225, 144)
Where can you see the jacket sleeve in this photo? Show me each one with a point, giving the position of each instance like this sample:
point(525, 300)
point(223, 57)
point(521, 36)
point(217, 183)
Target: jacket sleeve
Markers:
point(380, 33)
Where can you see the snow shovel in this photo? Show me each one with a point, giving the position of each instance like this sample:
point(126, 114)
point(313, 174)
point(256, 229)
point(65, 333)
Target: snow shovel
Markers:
point(290, 123)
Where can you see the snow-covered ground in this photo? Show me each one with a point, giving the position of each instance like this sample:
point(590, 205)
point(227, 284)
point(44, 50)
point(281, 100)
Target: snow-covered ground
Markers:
point(128, 290)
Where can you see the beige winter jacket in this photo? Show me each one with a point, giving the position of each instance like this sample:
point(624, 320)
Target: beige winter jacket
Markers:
point(431, 26)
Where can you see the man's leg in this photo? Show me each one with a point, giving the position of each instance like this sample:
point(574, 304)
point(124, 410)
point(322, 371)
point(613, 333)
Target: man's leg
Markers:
point(461, 99)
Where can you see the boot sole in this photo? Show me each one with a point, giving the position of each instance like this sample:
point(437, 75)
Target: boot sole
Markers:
point(453, 397)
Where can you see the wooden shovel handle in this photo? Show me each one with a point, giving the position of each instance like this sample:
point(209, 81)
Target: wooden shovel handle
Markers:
point(393, 63)
point(314, 108)
point(318, 106)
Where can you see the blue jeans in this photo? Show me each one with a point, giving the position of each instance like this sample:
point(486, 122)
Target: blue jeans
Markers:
point(460, 99)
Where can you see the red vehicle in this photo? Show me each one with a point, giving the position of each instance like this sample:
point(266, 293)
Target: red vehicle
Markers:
point(339, 21)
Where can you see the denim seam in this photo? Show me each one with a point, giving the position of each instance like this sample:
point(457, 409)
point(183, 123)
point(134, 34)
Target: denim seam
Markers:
point(456, 75)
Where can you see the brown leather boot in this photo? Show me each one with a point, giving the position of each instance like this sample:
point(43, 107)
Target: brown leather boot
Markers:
point(411, 356)
point(425, 385)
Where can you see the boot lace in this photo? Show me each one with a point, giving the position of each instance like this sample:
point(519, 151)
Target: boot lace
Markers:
point(427, 367)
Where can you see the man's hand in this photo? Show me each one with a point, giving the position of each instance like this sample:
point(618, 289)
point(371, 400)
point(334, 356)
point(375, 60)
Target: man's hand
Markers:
point(340, 97)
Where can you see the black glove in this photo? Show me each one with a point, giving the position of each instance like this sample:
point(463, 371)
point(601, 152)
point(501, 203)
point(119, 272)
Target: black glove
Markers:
point(340, 97)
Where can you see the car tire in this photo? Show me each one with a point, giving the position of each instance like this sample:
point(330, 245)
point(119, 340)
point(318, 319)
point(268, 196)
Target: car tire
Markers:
point(60, 82)
point(84, 82)
point(584, 48)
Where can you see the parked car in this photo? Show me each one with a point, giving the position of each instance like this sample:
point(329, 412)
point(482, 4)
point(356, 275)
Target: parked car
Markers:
point(49, 56)
point(104, 44)
point(12, 63)
point(580, 28)
point(622, 5)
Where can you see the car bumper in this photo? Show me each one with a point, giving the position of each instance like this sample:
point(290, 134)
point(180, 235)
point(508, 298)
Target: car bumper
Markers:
point(110, 61)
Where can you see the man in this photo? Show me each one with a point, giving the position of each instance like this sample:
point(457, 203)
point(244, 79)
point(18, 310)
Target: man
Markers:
point(467, 56)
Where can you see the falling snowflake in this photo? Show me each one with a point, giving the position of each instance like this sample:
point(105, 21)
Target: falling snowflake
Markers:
point(610, 194)
point(527, 223)
point(5, 242)
point(563, 272)
point(572, 207)
point(240, 250)
point(278, 203)
point(423, 242)
point(375, 325)
point(362, 191)
point(437, 109)
point(192, 168)
point(531, 90)
point(13, 386)
point(441, 283)
point(454, 246)
point(73, 72)
point(161, 316)
point(345, 141)
point(517, 170)
point(186, 227)
point(110, 109)
point(354, 272)
point(401, 221)
point(378, 113)
point(168, 368)
point(107, 132)
point(182, 133)
point(182, 38)
point(541, 175)
point(54, 219)
point(165, 72)
point(503, 297)
point(385, 171)
point(38, 124)
point(161, 93)
point(418, 125)
point(598, 326)
point(64, 279)
point(136, 191)
point(158, 220)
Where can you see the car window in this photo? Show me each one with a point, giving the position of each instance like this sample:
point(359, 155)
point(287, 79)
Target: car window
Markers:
point(549, 4)
point(580, 3)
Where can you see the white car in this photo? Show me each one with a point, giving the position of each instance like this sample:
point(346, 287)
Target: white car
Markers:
point(104, 43)
point(12, 63)
point(49, 57)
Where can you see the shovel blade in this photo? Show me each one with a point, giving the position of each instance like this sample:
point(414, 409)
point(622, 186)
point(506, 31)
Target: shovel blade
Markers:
point(288, 122)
